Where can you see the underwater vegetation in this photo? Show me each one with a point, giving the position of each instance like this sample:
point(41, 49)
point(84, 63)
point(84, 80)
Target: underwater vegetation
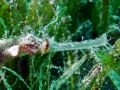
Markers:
point(60, 44)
